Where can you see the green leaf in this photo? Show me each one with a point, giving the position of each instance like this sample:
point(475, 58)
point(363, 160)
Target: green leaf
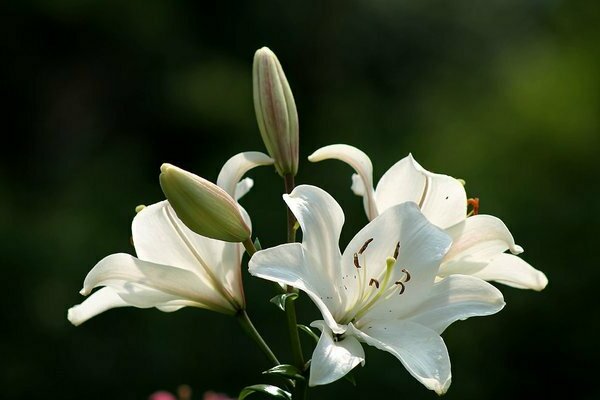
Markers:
point(308, 331)
point(257, 245)
point(285, 370)
point(281, 299)
point(350, 378)
point(273, 391)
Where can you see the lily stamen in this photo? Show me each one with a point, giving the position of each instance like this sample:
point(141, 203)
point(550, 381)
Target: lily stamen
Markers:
point(383, 289)
point(356, 264)
point(407, 275)
point(474, 203)
point(402, 286)
point(397, 251)
point(364, 246)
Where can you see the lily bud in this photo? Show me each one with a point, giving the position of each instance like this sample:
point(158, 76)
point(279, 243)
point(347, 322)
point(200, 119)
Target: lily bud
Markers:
point(275, 111)
point(203, 206)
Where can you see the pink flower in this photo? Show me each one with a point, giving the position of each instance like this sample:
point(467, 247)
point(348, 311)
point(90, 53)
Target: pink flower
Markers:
point(162, 395)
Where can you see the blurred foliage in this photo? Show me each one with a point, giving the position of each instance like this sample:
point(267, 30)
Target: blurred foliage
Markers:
point(502, 93)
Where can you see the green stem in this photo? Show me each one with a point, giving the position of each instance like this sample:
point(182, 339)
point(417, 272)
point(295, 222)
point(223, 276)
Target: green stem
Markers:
point(249, 328)
point(291, 219)
point(249, 246)
point(290, 308)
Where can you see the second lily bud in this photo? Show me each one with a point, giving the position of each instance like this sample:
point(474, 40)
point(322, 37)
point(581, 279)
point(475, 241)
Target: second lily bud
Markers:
point(275, 111)
point(203, 206)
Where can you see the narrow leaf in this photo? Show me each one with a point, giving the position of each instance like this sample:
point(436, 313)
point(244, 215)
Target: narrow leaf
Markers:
point(350, 378)
point(273, 391)
point(309, 332)
point(257, 245)
point(285, 370)
point(281, 299)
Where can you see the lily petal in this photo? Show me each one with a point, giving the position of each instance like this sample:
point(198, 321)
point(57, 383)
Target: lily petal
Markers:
point(331, 360)
point(402, 182)
point(160, 237)
point(321, 219)
point(513, 271)
point(361, 164)
point(457, 297)
point(102, 300)
point(145, 284)
point(421, 350)
point(442, 198)
point(236, 167)
point(421, 248)
point(290, 265)
point(476, 241)
point(243, 187)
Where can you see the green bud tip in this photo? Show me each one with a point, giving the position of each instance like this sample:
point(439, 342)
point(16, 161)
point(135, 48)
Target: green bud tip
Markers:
point(203, 207)
point(275, 110)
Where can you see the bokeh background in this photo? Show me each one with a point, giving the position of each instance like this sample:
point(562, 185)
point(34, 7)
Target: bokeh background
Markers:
point(97, 94)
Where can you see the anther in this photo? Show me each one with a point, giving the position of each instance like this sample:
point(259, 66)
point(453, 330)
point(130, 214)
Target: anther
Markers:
point(397, 250)
point(356, 264)
point(374, 281)
point(364, 246)
point(402, 287)
point(473, 202)
point(407, 275)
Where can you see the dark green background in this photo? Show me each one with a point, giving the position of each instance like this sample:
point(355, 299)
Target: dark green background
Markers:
point(97, 94)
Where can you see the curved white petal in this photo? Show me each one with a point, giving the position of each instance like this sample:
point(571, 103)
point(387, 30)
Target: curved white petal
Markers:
point(361, 164)
point(402, 182)
point(476, 241)
point(243, 187)
point(442, 198)
point(102, 300)
point(421, 248)
point(321, 219)
point(160, 237)
point(420, 349)
point(235, 168)
point(145, 284)
point(290, 265)
point(358, 187)
point(512, 271)
point(457, 297)
point(331, 359)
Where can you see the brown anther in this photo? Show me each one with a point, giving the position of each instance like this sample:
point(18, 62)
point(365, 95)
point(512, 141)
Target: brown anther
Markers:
point(374, 281)
point(407, 275)
point(356, 264)
point(402, 287)
point(397, 250)
point(364, 246)
point(474, 203)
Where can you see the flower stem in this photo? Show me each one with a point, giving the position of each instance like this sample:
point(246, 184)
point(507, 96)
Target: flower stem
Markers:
point(291, 219)
point(290, 308)
point(249, 246)
point(248, 326)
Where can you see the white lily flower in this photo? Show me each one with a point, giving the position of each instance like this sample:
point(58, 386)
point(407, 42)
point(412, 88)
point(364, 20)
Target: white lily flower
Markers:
point(381, 290)
point(479, 241)
point(174, 267)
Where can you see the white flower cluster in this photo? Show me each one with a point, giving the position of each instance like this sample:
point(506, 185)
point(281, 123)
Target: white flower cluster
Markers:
point(422, 262)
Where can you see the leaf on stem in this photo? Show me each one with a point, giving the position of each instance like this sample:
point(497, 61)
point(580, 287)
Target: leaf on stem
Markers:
point(309, 332)
point(281, 299)
point(285, 370)
point(273, 391)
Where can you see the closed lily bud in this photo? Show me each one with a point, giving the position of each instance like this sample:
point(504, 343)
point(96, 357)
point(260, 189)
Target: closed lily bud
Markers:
point(275, 111)
point(203, 206)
